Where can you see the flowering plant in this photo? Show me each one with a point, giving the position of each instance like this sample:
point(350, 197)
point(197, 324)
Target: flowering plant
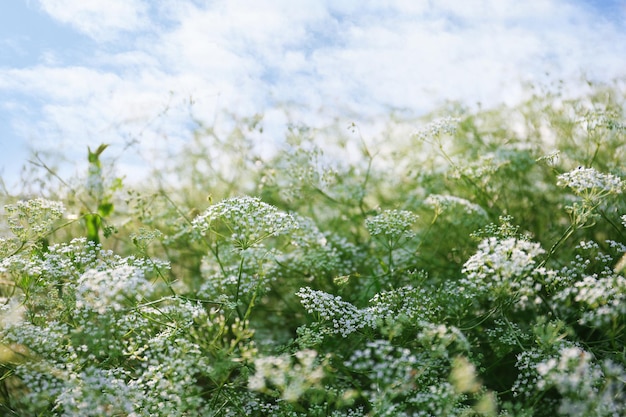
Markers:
point(464, 270)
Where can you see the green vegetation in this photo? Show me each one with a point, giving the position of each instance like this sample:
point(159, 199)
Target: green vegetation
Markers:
point(472, 267)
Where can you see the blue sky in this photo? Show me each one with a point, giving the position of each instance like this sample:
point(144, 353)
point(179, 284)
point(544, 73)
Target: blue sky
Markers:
point(75, 73)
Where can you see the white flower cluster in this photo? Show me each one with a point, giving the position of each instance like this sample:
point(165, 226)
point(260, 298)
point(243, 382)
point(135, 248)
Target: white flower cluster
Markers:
point(50, 341)
point(167, 377)
point(586, 387)
point(442, 340)
point(414, 304)
point(94, 392)
point(391, 226)
point(247, 220)
point(345, 317)
point(601, 300)
point(616, 246)
point(481, 169)
point(388, 367)
point(438, 399)
point(582, 383)
point(112, 289)
point(43, 383)
point(251, 403)
point(567, 370)
point(291, 377)
point(596, 119)
point(69, 375)
point(301, 168)
point(357, 412)
point(591, 287)
point(499, 263)
point(441, 203)
point(505, 335)
point(436, 128)
point(57, 279)
point(551, 158)
point(308, 234)
point(528, 377)
point(418, 379)
point(32, 219)
point(589, 183)
point(64, 263)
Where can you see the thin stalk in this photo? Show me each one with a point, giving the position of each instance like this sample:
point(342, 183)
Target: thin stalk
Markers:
point(239, 275)
point(570, 230)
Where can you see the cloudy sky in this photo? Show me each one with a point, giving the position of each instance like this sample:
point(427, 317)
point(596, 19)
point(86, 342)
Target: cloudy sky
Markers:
point(82, 72)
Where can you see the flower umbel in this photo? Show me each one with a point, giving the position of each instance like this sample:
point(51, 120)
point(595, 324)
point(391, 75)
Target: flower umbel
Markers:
point(501, 267)
point(591, 184)
point(247, 220)
point(33, 219)
point(391, 226)
point(100, 291)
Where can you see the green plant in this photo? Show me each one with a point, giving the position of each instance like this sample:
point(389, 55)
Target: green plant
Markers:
point(472, 268)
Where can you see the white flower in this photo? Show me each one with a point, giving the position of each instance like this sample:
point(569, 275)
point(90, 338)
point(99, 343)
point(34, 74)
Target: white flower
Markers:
point(502, 260)
point(345, 317)
point(111, 289)
point(33, 218)
point(601, 300)
point(391, 226)
point(291, 376)
point(386, 365)
point(587, 182)
point(441, 203)
point(434, 129)
point(247, 220)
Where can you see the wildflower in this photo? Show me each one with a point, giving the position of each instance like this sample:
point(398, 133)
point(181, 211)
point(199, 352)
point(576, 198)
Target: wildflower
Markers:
point(247, 220)
point(251, 273)
point(600, 299)
point(387, 366)
point(100, 291)
point(391, 226)
point(345, 317)
point(291, 376)
point(441, 203)
point(415, 304)
point(456, 211)
point(32, 219)
point(500, 261)
point(591, 184)
point(550, 159)
point(434, 129)
point(581, 382)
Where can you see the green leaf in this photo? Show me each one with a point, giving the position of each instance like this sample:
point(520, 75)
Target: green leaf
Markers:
point(105, 209)
point(93, 157)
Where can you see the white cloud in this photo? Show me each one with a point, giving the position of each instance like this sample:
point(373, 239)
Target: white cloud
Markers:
point(63, 84)
point(99, 19)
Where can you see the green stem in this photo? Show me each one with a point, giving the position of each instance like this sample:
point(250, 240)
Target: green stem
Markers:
point(390, 263)
point(251, 304)
point(570, 230)
point(239, 275)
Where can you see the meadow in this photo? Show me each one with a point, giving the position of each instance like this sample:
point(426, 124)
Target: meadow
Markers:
point(470, 264)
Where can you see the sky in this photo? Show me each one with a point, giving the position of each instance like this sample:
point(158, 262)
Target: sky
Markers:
point(77, 73)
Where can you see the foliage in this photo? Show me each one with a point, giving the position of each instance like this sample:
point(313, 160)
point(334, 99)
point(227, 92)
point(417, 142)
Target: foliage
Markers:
point(472, 267)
